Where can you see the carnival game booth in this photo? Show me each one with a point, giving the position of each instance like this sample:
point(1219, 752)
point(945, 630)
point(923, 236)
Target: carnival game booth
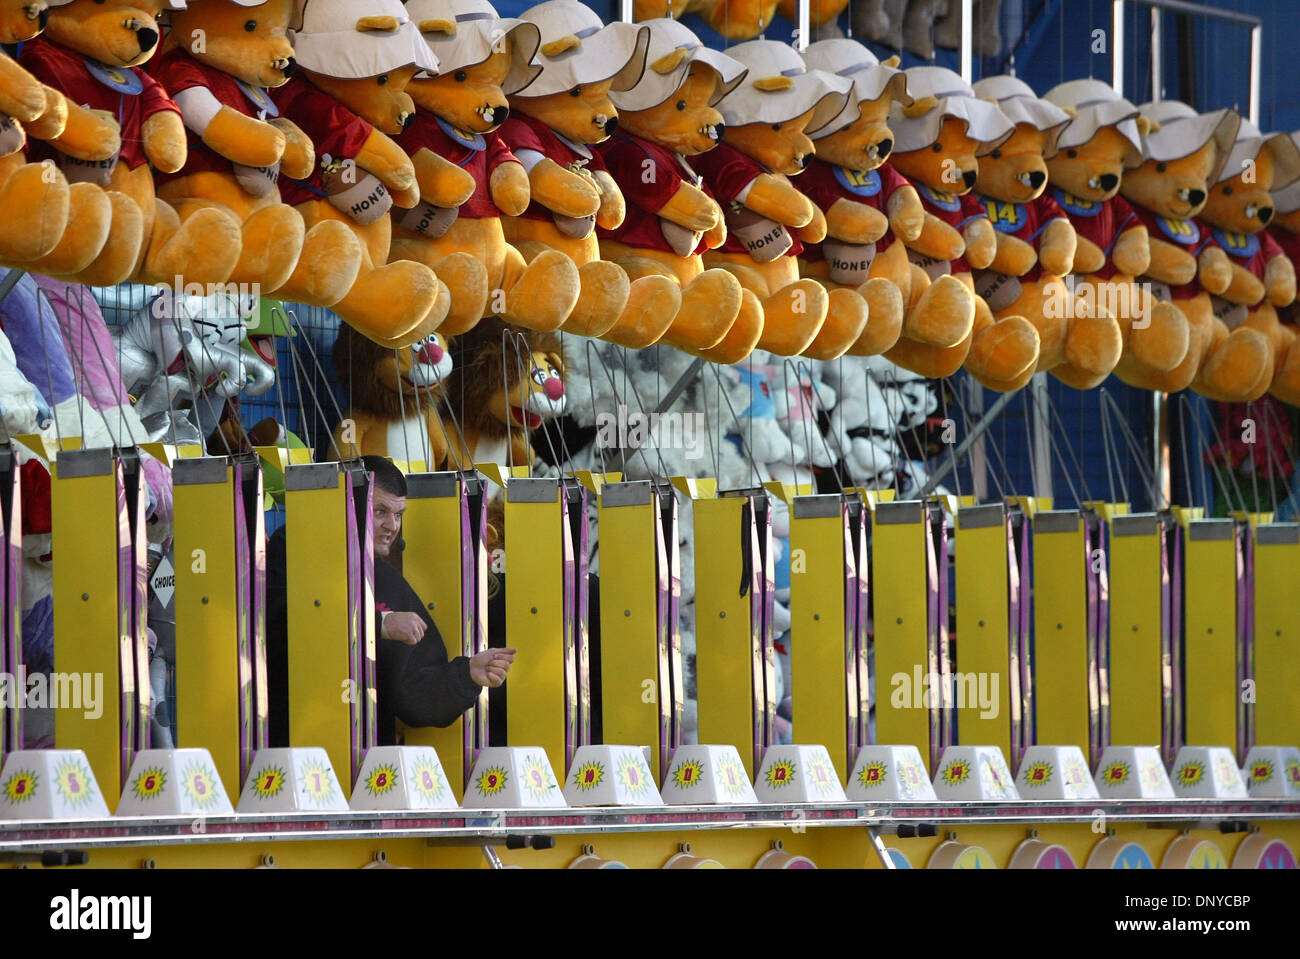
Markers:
point(755, 626)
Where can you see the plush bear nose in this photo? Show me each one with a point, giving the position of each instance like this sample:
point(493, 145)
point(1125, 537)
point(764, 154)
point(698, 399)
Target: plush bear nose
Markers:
point(884, 148)
point(290, 68)
point(406, 120)
point(1036, 178)
point(1195, 197)
point(611, 125)
point(148, 39)
point(968, 178)
point(1265, 214)
point(44, 17)
point(499, 115)
point(1109, 181)
point(718, 130)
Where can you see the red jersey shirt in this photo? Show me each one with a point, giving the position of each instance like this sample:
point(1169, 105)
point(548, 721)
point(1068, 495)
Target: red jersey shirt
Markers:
point(824, 183)
point(1187, 234)
point(650, 176)
point(1102, 223)
point(178, 71)
point(337, 132)
point(727, 172)
point(128, 93)
point(478, 155)
point(522, 132)
point(954, 210)
point(1024, 221)
point(1250, 251)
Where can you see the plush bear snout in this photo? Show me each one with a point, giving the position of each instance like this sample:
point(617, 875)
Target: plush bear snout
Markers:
point(500, 115)
point(288, 66)
point(714, 131)
point(880, 151)
point(968, 178)
point(608, 124)
point(1108, 181)
point(1265, 213)
point(1193, 197)
point(39, 12)
point(145, 36)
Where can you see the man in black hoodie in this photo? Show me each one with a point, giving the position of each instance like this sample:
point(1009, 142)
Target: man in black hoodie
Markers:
point(414, 682)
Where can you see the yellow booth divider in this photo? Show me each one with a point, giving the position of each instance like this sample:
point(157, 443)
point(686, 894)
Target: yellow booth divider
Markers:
point(1214, 622)
point(11, 589)
point(1277, 651)
point(330, 566)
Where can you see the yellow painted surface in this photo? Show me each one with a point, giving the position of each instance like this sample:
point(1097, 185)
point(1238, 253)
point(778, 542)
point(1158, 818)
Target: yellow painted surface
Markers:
point(818, 661)
point(898, 576)
point(1136, 662)
point(1060, 639)
point(724, 656)
point(535, 626)
point(983, 629)
point(88, 638)
point(431, 563)
point(321, 712)
point(1210, 660)
point(1277, 644)
point(630, 653)
point(207, 640)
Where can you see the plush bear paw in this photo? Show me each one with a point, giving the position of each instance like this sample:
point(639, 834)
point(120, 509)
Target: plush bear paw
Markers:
point(793, 316)
point(327, 267)
point(744, 334)
point(1160, 338)
point(652, 303)
point(1094, 345)
point(115, 259)
point(885, 318)
point(467, 284)
point(546, 292)
point(846, 317)
point(36, 203)
point(1232, 371)
point(710, 303)
point(272, 240)
point(943, 316)
point(203, 248)
point(603, 292)
point(1002, 352)
point(390, 304)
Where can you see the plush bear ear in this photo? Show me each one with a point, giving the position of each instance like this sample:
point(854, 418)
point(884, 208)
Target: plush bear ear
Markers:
point(378, 25)
point(773, 84)
point(1069, 111)
point(669, 62)
point(892, 62)
point(562, 45)
point(1147, 125)
point(920, 107)
point(438, 26)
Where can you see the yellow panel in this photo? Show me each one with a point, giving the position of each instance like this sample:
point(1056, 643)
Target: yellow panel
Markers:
point(319, 643)
point(1136, 658)
point(628, 598)
point(207, 642)
point(903, 667)
point(431, 563)
point(1060, 634)
point(1210, 618)
point(535, 624)
point(818, 657)
point(1277, 652)
point(724, 652)
point(983, 594)
point(88, 638)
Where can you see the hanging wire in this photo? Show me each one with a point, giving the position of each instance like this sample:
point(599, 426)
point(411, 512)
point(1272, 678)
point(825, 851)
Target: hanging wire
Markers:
point(49, 375)
point(1078, 467)
point(1031, 453)
point(945, 385)
point(1182, 448)
point(814, 404)
point(970, 426)
point(749, 454)
point(1157, 495)
point(279, 380)
point(1274, 465)
point(589, 346)
point(1230, 485)
point(1113, 459)
point(300, 372)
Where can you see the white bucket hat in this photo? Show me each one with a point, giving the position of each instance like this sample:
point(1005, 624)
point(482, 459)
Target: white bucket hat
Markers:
point(464, 33)
point(356, 39)
point(780, 87)
point(985, 123)
point(1287, 199)
point(1096, 105)
point(1181, 131)
point(578, 49)
point(667, 67)
point(1250, 142)
point(871, 78)
point(1020, 104)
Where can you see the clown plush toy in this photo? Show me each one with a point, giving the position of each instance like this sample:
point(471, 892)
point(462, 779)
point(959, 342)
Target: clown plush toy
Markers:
point(91, 52)
point(939, 140)
point(768, 218)
point(1183, 153)
point(454, 140)
point(40, 205)
point(357, 57)
point(1263, 278)
point(224, 56)
point(664, 120)
point(867, 204)
point(554, 124)
point(1102, 140)
point(1036, 243)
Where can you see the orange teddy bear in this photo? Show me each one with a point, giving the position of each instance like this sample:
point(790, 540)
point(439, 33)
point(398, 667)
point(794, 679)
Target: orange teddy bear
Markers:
point(1285, 231)
point(1182, 154)
point(768, 218)
point(1080, 343)
point(456, 147)
point(1263, 278)
point(224, 56)
point(357, 57)
point(939, 140)
point(665, 121)
point(148, 241)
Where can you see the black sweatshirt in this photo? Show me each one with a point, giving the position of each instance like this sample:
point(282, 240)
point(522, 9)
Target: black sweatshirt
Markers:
point(413, 683)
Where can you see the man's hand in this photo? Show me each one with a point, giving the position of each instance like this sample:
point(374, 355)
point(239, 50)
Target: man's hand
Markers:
point(489, 668)
point(406, 628)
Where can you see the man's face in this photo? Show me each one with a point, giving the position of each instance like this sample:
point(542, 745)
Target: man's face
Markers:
point(387, 516)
